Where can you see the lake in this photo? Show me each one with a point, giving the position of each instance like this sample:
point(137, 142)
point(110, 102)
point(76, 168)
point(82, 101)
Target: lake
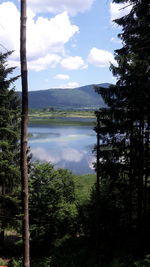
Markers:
point(65, 146)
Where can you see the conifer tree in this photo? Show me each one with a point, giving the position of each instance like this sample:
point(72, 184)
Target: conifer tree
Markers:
point(136, 79)
point(125, 123)
point(9, 145)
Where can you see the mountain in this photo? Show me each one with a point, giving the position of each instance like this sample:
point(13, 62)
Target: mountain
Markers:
point(77, 98)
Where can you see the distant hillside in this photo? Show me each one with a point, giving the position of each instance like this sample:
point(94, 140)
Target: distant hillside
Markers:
point(81, 97)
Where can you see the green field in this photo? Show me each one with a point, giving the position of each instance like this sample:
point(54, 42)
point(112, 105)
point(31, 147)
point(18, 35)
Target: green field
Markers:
point(84, 185)
point(62, 117)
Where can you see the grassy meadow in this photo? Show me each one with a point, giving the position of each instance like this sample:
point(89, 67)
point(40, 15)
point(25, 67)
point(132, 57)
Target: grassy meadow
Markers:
point(61, 117)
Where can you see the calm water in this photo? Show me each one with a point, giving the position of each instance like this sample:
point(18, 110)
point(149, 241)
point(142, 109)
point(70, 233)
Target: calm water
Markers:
point(65, 146)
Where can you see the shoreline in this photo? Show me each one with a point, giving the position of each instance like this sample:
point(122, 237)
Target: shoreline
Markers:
point(62, 117)
point(62, 122)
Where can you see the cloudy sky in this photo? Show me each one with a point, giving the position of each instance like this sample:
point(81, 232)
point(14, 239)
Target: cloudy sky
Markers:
point(69, 42)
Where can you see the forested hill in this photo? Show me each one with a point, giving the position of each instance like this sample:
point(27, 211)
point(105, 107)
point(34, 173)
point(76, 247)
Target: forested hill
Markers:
point(81, 97)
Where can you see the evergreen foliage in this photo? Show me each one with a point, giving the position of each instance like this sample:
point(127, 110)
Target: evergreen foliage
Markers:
point(9, 146)
point(125, 123)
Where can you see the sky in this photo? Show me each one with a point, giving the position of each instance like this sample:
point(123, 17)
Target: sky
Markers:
point(70, 43)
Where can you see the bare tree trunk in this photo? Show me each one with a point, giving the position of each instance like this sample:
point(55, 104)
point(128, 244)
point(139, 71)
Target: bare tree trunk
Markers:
point(24, 138)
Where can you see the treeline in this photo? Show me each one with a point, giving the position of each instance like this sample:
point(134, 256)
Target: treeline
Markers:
point(80, 98)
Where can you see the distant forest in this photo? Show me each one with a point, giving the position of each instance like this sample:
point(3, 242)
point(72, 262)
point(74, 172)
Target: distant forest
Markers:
point(83, 97)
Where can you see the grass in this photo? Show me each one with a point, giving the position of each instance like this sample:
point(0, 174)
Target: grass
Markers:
point(59, 117)
point(62, 113)
point(59, 122)
point(83, 186)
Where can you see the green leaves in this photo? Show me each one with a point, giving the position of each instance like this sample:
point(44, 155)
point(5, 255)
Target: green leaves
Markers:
point(52, 202)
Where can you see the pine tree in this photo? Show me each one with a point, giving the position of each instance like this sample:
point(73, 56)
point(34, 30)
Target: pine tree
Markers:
point(125, 123)
point(136, 78)
point(9, 146)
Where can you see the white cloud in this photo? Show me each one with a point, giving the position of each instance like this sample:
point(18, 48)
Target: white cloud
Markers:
point(55, 6)
point(115, 40)
point(100, 58)
point(46, 38)
point(49, 34)
point(42, 63)
point(62, 77)
point(9, 27)
point(73, 63)
point(74, 45)
point(119, 10)
point(69, 85)
point(72, 85)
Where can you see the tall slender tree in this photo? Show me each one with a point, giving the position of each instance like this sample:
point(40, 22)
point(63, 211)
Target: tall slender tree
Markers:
point(134, 82)
point(125, 122)
point(24, 137)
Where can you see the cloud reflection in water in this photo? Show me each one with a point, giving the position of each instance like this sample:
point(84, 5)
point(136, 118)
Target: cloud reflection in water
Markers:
point(67, 154)
point(65, 147)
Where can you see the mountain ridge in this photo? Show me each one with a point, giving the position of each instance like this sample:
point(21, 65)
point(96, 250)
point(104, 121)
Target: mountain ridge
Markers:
point(83, 97)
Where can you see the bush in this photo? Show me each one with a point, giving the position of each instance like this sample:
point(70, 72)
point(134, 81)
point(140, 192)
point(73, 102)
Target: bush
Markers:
point(52, 205)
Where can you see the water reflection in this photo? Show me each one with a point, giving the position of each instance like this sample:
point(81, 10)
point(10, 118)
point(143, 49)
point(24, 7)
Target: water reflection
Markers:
point(66, 147)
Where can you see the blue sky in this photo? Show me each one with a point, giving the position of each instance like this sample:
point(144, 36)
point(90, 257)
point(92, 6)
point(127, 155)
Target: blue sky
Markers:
point(69, 42)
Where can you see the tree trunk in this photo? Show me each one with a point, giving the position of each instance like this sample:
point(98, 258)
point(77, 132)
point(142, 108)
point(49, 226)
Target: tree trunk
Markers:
point(131, 174)
point(2, 238)
point(2, 230)
point(147, 152)
point(24, 138)
point(140, 178)
point(98, 194)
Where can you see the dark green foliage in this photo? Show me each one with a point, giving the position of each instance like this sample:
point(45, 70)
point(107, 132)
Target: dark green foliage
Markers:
point(9, 146)
point(123, 129)
point(70, 259)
